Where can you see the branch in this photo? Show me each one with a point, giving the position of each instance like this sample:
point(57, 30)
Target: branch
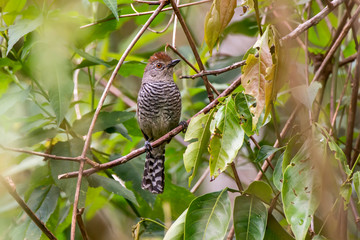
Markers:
point(55, 157)
point(192, 66)
point(201, 179)
point(217, 71)
point(10, 187)
point(143, 13)
point(336, 44)
point(237, 178)
point(311, 22)
point(193, 48)
point(97, 112)
point(81, 224)
point(156, 143)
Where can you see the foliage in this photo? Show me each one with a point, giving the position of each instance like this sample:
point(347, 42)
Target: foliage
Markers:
point(288, 144)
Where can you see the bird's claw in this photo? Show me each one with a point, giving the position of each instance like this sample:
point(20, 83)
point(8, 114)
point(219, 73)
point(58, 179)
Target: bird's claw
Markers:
point(148, 146)
point(184, 124)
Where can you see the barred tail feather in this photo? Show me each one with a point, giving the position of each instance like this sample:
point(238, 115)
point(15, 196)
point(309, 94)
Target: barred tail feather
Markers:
point(153, 178)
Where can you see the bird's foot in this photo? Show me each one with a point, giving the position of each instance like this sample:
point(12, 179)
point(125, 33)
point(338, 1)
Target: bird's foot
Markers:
point(148, 146)
point(184, 124)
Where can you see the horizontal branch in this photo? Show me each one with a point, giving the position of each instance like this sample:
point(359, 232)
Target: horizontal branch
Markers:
point(144, 13)
point(217, 71)
point(55, 157)
point(312, 21)
point(156, 143)
point(10, 187)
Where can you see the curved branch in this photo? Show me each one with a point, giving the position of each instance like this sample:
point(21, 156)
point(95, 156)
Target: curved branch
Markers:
point(158, 142)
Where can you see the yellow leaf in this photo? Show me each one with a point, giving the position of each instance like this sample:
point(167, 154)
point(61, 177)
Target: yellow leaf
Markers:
point(216, 20)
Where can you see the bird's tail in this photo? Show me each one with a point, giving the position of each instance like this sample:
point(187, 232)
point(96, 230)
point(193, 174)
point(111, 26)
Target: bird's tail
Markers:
point(153, 178)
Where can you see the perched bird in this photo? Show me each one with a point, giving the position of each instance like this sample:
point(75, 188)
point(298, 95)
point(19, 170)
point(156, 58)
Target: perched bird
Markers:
point(158, 112)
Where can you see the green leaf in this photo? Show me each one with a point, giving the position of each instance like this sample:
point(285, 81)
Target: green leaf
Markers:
point(112, 186)
point(339, 155)
point(242, 106)
point(216, 20)
point(247, 26)
point(72, 148)
point(227, 137)
point(36, 136)
point(258, 75)
point(345, 193)
point(112, 5)
point(198, 134)
point(274, 231)
point(265, 152)
point(21, 28)
point(92, 59)
point(10, 99)
point(176, 231)
point(356, 181)
point(261, 190)
point(105, 120)
point(319, 237)
point(12, 10)
point(301, 185)
point(250, 217)
point(133, 68)
point(208, 216)
point(47, 205)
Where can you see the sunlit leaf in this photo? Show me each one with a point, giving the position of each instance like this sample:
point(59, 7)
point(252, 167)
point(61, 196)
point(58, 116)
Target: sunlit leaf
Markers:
point(208, 216)
point(250, 217)
point(198, 134)
point(227, 137)
point(112, 5)
point(11, 10)
point(216, 20)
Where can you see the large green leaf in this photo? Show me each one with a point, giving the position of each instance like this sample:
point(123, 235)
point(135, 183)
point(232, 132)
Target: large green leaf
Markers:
point(105, 120)
point(208, 216)
point(176, 231)
point(112, 5)
point(301, 185)
point(258, 75)
point(112, 186)
point(250, 217)
point(345, 193)
point(198, 134)
point(11, 9)
point(227, 137)
point(216, 20)
point(21, 28)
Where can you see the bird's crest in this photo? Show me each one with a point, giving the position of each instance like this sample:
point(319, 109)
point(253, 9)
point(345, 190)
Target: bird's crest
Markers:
point(160, 56)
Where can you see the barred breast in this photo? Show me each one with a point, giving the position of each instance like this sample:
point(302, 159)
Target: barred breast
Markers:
point(159, 108)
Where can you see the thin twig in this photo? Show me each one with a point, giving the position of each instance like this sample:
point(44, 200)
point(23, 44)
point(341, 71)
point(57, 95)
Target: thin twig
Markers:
point(217, 71)
point(237, 178)
point(193, 48)
point(311, 22)
point(156, 143)
point(201, 180)
point(81, 224)
point(10, 187)
point(282, 135)
point(55, 157)
point(143, 13)
point(231, 234)
point(97, 112)
point(190, 65)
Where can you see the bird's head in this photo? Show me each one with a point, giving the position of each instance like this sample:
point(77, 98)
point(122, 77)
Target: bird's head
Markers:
point(159, 68)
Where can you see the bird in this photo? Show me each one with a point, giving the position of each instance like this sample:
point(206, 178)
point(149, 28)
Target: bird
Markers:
point(158, 112)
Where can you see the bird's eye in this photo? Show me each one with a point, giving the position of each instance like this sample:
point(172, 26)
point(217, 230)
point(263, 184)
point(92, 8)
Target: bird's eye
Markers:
point(159, 65)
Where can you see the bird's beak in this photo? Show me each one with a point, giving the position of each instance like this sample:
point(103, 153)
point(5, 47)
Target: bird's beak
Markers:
point(173, 63)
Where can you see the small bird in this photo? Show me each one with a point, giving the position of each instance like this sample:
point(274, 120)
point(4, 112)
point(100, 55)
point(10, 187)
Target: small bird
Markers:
point(158, 112)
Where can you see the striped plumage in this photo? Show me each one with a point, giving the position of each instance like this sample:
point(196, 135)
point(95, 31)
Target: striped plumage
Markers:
point(158, 111)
